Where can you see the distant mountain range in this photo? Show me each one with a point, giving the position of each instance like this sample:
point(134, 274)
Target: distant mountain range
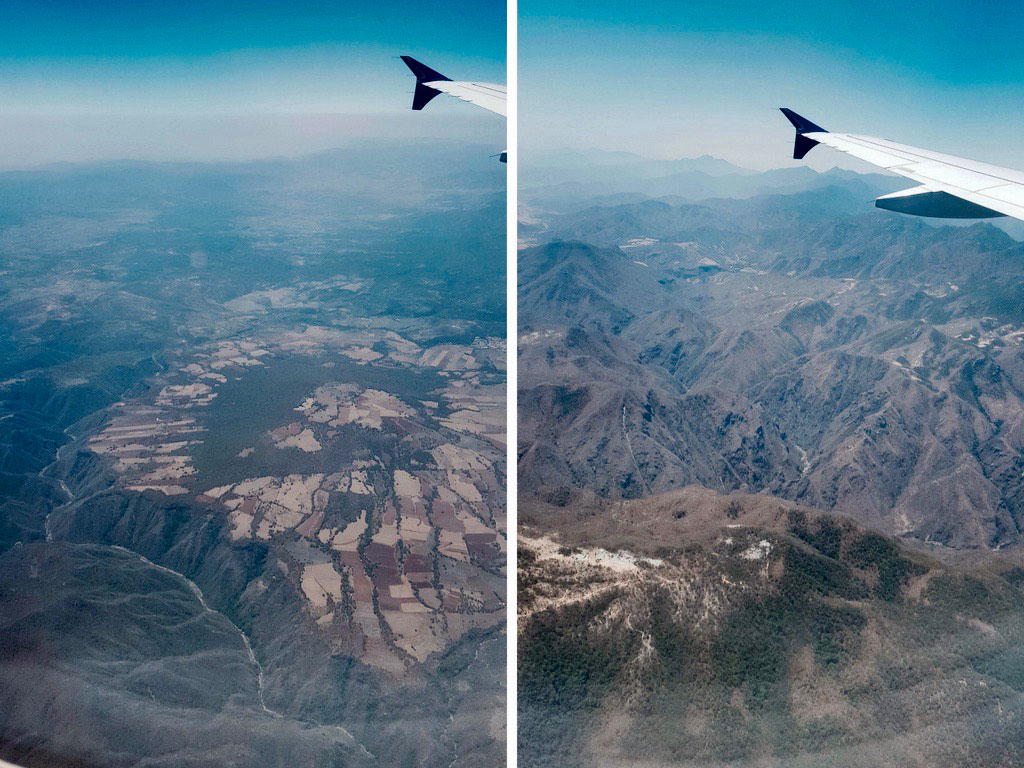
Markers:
point(558, 180)
point(568, 181)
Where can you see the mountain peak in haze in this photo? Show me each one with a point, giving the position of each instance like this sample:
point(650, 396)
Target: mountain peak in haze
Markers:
point(709, 164)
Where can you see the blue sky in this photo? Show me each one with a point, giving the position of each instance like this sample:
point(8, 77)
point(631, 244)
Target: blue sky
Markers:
point(150, 66)
point(688, 78)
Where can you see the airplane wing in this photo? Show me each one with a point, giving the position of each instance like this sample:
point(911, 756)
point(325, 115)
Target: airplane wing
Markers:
point(490, 96)
point(949, 186)
point(430, 82)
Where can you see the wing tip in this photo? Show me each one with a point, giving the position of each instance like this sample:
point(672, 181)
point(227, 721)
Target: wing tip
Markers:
point(801, 123)
point(424, 74)
point(422, 71)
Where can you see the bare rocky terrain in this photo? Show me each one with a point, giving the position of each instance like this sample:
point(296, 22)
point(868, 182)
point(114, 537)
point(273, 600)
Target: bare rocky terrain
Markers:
point(871, 366)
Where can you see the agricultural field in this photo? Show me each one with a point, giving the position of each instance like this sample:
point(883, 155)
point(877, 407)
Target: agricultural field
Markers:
point(390, 519)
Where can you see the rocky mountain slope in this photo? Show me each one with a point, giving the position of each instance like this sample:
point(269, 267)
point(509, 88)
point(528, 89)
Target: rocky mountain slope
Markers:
point(854, 361)
point(152, 688)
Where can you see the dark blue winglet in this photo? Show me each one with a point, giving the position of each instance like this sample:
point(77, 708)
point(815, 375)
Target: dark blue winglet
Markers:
point(802, 145)
point(424, 74)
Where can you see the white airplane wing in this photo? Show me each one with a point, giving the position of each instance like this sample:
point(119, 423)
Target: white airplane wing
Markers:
point(490, 96)
point(949, 186)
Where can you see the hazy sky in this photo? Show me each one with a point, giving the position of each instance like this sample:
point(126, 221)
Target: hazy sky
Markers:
point(232, 78)
point(680, 79)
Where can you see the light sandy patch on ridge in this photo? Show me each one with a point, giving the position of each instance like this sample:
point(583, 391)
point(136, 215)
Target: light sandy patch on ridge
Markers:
point(758, 551)
point(620, 562)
